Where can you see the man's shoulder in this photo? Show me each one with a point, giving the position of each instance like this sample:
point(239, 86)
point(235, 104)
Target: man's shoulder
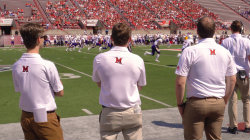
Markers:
point(136, 56)
point(47, 63)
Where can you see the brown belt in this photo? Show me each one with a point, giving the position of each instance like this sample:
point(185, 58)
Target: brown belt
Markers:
point(203, 98)
point(47, 111)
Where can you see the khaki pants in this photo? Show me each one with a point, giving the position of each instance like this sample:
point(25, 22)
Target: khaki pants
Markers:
point(114, 121)
point(203, 114)
point(243, 87)
point(50, 130)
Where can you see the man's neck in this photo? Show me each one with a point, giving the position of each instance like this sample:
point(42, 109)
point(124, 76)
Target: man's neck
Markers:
point(35, 50)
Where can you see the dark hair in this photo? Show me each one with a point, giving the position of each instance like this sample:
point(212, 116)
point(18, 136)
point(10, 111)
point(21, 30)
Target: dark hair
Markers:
point(206, 27)
point(30, 33)
point(236, 26)
point(121, 33)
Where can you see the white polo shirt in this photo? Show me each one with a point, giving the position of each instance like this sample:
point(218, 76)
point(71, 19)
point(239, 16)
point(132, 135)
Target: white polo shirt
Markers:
point(37, 80)
point(239, 48)
point(119, 72)
point(205, 65)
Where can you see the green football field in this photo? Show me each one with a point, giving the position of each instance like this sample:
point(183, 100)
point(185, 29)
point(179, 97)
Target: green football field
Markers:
point(80, 92)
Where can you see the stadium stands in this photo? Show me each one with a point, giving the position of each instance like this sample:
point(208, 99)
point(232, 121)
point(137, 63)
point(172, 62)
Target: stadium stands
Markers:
point(140, 14)
point(238, 6)
point(24, 11)
point(102, 10)
point(225, 13)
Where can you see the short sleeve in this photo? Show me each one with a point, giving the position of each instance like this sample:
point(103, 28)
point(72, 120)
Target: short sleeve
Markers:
point(248, 47)
point(15, 80)
point(142, 78)
point(54, 78)
point(95, 75)
point(231, 68)
point(184, 64)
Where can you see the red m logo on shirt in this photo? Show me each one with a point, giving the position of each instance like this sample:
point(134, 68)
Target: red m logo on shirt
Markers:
point(25, 68)
point(118, 60)
point(212, 52)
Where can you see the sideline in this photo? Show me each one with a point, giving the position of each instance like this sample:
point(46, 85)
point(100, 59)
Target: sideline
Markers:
point(146, 97)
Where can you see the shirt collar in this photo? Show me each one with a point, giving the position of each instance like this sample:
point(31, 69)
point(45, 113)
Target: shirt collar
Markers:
point(235, 35)
point(31, 55)
point(119, 48)
point(206, 40)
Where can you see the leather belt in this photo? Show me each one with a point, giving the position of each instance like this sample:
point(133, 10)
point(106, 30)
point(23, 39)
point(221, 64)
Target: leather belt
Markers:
point(203, 98)
point(47, 111)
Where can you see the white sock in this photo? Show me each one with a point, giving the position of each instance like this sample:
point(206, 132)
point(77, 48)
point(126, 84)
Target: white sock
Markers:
point(157, 56)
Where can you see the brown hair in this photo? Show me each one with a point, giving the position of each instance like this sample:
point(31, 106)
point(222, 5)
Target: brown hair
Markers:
point(121, 33)
point(206, 27)
point(236, 26)
point(30, 33)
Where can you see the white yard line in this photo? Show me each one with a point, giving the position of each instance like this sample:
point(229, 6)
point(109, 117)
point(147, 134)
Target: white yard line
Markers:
point(155, 100)
point(74, 70)
point(87, 111)
point(160, 65)
point(5, 70)
point(146, 97)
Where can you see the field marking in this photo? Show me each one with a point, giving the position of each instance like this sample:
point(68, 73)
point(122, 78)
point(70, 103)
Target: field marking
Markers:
point(176, 50)
point(74, 70)
point(160, 65)
point(155, 100)
point(87, 111)
point(146, 97)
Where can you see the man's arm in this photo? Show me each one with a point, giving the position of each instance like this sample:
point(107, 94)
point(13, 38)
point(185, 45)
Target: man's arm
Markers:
point(179, 92)
point(230, 83)
point(248, 58)
point(139, 87)
point(60, 93)
point(99, 84)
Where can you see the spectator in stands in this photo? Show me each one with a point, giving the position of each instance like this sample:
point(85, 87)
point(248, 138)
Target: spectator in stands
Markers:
point(207, 90)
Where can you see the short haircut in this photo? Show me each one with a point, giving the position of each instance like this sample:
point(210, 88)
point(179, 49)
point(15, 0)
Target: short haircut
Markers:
point(121, 33)
point(206, 27)
point(236, 26)
point(30, 33)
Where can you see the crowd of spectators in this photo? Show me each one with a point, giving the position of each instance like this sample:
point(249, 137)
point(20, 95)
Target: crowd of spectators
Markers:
point(102, 10)
point(19, 13)
point(136, 13)
point(245, 13)
point(165, 10)
point(63, 15)
point(140, 13)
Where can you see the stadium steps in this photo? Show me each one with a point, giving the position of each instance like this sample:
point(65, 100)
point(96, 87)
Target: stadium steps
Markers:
point(236, 5)
point(153, 13)
point(225, 13)
point(42, 12)
point(247, 1)
point(119, 11)
point(77, 6)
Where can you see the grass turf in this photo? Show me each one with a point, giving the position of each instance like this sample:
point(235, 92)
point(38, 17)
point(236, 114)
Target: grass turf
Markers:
point(82, 93)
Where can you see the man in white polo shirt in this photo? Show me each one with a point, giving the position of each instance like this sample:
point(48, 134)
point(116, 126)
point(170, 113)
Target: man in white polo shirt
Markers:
point(120, 75)
point(239, 47)
point(204, 68)
point(38, 82)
